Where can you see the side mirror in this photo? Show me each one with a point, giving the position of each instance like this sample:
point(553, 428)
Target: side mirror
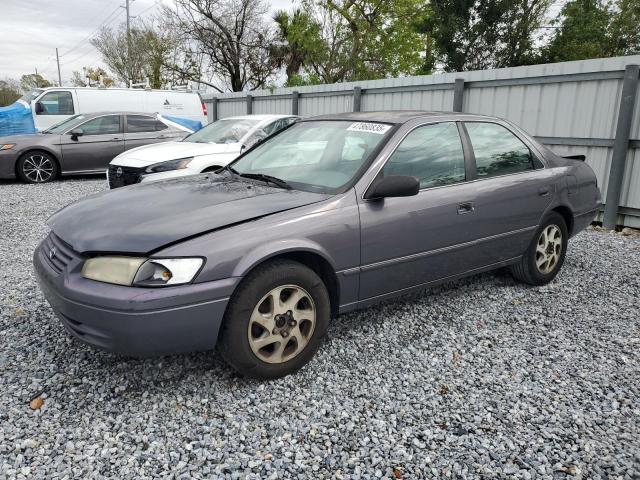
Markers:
point(39, 108)
point(394, 186)
point(76, 132)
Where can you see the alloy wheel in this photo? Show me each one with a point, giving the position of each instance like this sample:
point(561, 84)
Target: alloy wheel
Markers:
point(548, 249)
point(281, 324)
point(38, 168)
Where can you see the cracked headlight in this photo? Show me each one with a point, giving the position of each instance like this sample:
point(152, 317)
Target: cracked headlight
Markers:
point(177, 164)
point(142, 272)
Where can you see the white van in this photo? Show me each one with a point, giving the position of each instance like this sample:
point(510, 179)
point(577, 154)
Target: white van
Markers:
point(52, 105)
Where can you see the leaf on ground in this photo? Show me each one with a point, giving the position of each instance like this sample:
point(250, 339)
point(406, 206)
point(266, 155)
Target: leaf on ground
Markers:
point(397, 473)
point(20, 312)
point(36, 403)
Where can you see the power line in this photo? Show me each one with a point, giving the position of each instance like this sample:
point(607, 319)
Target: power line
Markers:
point(155, 4)
point(109, 19)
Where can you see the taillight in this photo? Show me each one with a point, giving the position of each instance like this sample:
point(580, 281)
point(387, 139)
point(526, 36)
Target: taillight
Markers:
point(204, 109)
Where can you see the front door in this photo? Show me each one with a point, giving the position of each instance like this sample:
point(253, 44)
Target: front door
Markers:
point(409, 241)
point(52, 108)
point(101, 140)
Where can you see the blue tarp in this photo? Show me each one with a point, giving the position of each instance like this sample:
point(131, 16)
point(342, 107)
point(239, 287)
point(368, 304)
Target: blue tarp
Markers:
point(193, 125)
point(16, 119)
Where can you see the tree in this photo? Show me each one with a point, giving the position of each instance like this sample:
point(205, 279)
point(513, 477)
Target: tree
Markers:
point(366, 39)
point(582, 33)
point(624, 34)
point(90, 77)
point(232, 38)
point(9, 91)
point(151, 50)
point(33, 80)
point(297, 44)
point(471, 35)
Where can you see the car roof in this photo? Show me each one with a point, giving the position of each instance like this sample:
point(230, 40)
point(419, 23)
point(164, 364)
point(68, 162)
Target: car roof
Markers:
point(392, 116)
point(98, 114)
point(257, 117)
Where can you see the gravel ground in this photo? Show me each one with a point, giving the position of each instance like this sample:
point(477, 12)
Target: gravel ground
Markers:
point(482, 378)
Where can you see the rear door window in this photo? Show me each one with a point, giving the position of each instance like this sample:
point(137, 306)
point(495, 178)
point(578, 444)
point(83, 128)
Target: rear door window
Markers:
point(497, 150)
point(143, 123)
point(57, 103)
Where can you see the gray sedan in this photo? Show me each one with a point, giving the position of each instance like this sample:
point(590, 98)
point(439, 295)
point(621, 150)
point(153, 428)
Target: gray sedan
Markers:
point(333, 214)
point(81, 144)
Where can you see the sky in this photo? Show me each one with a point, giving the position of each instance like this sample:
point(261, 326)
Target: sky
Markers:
point(30, 31)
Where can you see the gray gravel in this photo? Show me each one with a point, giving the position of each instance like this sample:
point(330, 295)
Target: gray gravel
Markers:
point(482, 378)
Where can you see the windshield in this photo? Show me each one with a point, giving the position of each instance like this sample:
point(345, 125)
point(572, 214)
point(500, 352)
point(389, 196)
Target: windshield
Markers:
point(223, 131)
point(64, 125)
point(318, 156)
point(31, 95)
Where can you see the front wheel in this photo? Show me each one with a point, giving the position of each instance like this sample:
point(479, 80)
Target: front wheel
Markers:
point(546, 253)
point(275, 321)
point(37, 167)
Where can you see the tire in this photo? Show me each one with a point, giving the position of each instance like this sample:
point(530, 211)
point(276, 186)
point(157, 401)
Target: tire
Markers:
point(254, 341)
point(37, 167)
point(544, 258)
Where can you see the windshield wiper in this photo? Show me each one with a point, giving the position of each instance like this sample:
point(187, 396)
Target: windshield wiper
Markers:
point(265, 178)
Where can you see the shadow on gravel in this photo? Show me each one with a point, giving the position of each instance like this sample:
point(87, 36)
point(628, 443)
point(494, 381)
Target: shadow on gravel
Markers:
point(93, 176)
point(79, 364)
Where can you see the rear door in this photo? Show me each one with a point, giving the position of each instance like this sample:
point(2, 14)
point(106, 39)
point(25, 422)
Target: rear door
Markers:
point(513, 190)
point(101, 140)
point(145, 129)
point(409, 241)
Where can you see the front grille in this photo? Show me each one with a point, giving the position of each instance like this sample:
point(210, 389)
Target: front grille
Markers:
point(57, 253)
point(123, 176)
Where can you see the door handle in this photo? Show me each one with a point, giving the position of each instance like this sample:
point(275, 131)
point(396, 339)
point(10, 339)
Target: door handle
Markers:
point(544, 191)
point(466, 207)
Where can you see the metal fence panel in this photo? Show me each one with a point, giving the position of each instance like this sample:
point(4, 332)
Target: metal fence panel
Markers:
point(573, 106)
point(269, 105)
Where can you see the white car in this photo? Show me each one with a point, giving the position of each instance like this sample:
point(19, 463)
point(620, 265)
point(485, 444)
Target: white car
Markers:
point(206, 150)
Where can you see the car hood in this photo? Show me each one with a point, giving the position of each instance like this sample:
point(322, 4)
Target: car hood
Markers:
point(161, 152)
point(145, 217)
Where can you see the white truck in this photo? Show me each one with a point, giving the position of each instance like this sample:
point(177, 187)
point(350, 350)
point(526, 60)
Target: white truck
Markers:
point(50, 106)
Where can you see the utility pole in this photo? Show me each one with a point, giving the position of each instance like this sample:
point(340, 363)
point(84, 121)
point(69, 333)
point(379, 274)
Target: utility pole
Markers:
point(128, 41)
point(36, 78)
point(59, 76)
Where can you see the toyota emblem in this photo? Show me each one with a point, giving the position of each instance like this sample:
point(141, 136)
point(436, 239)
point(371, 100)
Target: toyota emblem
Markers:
point(119, 172)
point(52, 253)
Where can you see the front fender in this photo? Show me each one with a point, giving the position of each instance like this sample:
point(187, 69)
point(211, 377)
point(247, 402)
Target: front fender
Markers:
point(266, 251)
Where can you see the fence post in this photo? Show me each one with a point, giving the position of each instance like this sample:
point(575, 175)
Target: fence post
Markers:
point(620, 146)
point(214, 109)
point(357, 98)
point(249, 104)
point(458, 94)
point(295, 96)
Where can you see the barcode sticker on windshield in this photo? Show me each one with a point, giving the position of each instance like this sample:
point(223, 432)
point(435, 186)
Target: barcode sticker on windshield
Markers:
point(378, 128)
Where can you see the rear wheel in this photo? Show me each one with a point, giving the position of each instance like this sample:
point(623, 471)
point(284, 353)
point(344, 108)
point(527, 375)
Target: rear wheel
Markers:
point(546, 253)
point(37, 167)
point(275, 321)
